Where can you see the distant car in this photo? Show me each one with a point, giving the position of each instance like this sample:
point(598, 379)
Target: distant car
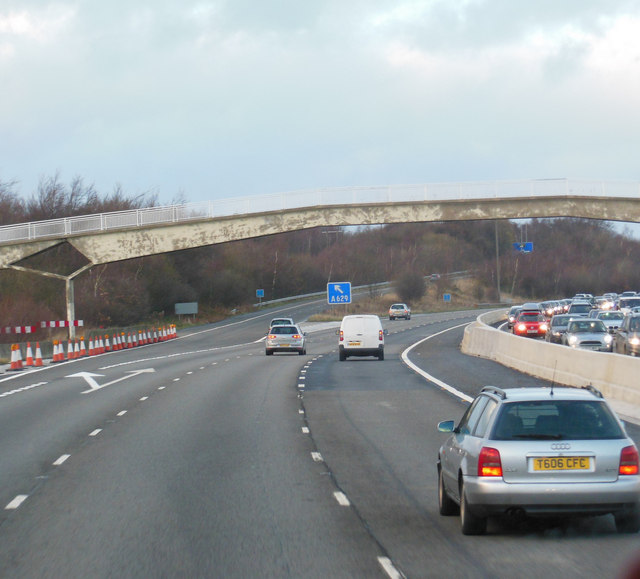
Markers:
point(550, 308)
point(611, 319)
point(530, 323)
point(580, 309)
point(435, 276)
point(557, 327)
point(627, 336)
point(556, 452)
point(626, 304)
point(588, 334)
point(399, 311)
point(512, 315)
point(283, 338)
point(281, 322)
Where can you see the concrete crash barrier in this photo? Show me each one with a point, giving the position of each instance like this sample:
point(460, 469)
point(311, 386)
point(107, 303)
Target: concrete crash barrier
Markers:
point(615, 375)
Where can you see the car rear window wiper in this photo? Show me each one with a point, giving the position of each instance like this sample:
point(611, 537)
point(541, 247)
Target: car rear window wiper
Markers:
point(539, 436)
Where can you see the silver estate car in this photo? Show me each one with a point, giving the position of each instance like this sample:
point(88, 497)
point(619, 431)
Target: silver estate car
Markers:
point(538, 452)
point(285, 339)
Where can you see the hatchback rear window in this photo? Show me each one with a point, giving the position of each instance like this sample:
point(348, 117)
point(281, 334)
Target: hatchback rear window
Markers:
point(556, 420)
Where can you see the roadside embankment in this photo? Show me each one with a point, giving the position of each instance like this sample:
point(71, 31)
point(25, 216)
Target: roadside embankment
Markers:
point(615, 375)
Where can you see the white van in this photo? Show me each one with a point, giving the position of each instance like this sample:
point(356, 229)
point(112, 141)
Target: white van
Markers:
point(361, 335)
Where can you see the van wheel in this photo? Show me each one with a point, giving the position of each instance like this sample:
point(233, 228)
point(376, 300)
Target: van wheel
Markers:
point(343, 356)
point(381, 354)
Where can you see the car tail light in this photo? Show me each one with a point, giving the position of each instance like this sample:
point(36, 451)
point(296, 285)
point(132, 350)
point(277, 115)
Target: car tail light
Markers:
point(628, 460)
point(341, 336)
point(271, 337)
point(296, 336)
point(380, 335)
point(489, 463)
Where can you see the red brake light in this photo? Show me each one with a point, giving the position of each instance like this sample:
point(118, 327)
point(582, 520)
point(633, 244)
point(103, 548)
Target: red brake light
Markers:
point(271, 337)
point(341, 336)
point(629, 460)
point(489, 463)
point(380, 335)
point(296, 336)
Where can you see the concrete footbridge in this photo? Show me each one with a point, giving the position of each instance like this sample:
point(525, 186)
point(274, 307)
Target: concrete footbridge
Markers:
point(109, 237)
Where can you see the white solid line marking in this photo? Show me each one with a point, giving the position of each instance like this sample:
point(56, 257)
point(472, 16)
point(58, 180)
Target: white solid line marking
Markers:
point(342, 499)
point(144, 398)
point(95, 432)
point(15, 503)
point(305, 430)
point(443, 385)
point(316, 456)
point(389, 569)
point(61, 459)
point(122, 413)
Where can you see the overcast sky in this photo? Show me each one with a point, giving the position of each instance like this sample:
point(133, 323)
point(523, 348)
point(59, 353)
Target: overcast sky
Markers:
point(225, 98)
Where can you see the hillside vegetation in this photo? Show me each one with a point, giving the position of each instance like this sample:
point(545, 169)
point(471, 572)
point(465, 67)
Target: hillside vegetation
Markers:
point(570, 255)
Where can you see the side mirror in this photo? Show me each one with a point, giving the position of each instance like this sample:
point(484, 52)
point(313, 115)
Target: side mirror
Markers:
point(446, 426)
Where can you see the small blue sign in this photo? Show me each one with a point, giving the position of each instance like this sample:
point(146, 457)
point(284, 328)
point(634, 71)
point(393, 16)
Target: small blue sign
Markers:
point(339, 292)
point(446, 297)
point(524, 246)
point(259, 293)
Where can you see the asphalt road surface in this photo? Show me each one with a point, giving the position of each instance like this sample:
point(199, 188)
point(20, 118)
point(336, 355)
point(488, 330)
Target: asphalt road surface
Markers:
point(202, 457)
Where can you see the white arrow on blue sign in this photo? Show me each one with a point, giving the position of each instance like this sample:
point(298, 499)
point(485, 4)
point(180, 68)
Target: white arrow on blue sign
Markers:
point(339, 292)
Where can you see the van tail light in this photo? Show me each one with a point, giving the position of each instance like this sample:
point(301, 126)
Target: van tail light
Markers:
point(629, 460)
point(380, 335)
point(341, 336)
point(489, 463)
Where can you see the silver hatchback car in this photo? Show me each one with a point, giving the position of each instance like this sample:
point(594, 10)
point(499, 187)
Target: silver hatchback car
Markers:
point(538, 452)
point(285, 339)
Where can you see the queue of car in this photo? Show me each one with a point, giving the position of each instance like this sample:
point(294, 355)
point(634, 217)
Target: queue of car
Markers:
point(608, 323)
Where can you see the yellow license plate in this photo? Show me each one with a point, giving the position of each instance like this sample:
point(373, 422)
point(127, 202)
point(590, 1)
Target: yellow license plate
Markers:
point(285, 345)
point(562, 463)
point(354, 343)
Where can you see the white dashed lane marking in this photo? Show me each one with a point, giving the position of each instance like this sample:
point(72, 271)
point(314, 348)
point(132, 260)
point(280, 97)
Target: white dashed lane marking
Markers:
point(15, 503)
point(61, 460)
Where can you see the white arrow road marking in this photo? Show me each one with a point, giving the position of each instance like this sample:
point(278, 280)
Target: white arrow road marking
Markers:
point(89, 377)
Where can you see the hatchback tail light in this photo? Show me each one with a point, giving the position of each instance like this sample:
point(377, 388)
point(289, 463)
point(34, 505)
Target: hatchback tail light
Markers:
point(489, 463)
point(629, 460)
point(296, 336)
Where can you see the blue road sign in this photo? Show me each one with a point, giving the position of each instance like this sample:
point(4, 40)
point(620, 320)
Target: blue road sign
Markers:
point(524, 246)
point(339, 292)
point(446, 297)
point(259, 293)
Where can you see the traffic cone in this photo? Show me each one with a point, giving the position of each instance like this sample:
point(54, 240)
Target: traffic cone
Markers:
point(16, 358)
point(91, 349)
point(83, 347)
point(28, 361)
point(76, 350)
point(107, 345)
point(38, 361)
point(100, 344)
point(70, 355)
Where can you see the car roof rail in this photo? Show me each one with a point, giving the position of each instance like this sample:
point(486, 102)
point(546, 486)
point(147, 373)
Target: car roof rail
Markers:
point(495, 390)
point(591, 388)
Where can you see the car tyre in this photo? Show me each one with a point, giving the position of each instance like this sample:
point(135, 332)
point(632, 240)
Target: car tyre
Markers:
point(470, 523)
point(628, 521)
point(302, 352)
point(268, 352)
point(446, 505)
